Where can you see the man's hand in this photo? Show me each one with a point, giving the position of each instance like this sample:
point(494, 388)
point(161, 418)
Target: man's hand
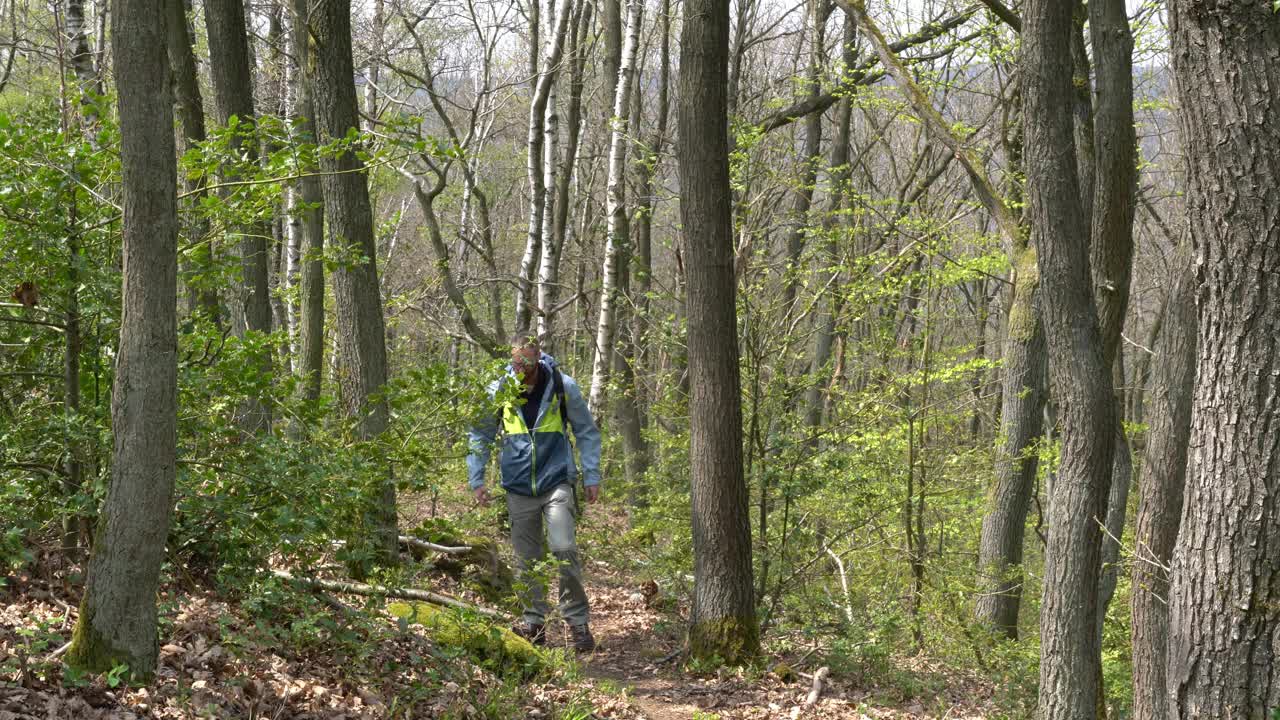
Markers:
point(593, 493)
point(482, 496)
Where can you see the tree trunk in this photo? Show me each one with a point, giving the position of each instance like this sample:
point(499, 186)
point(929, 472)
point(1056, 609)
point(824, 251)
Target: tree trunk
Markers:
point(549, 258)
point(230, 70)
point(190, 112)
point(540, 92)
point(1024, 383)
point(1111, 244)
point(618, 245)
point(1164, 471)
point(549, 273)
point(1082, 108)
point(360, 326)
point(1225, 592)
point(723, 621)
point(373, 69)
point(811, 157)
point(611, 32)
point(815, 397)
point(646, 202)
point(88, 82)
point(310, 222)
point(1117, 504)
point(117, 621)
point(1070, 664)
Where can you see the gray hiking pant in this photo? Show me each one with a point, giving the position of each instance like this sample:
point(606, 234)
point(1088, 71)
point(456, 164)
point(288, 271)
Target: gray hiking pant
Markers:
point(527, 515)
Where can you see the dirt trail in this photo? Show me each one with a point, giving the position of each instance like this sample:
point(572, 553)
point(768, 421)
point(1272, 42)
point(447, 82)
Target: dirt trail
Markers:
point(636, 652)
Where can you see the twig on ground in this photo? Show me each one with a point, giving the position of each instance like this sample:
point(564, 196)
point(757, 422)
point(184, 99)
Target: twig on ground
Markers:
point(59, 652)
point(672, 656)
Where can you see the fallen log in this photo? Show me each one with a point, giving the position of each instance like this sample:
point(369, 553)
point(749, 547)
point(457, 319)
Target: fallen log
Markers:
point(414, 542)
point(355, 588)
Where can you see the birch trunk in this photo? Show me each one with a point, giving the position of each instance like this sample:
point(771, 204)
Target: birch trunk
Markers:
point(557, 214)
point(535, 166)
point(618, 243)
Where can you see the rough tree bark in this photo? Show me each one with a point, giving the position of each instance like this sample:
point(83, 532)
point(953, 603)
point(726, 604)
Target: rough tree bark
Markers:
point(230, 70)
point(1021, 424)
point(1114, 187)
point(1224, 600)
point(1164, 471)
point(360, 325)
point(117, 621)
point(190, 112)
point(307, 220)
point(1081, 380)
point(723, 621)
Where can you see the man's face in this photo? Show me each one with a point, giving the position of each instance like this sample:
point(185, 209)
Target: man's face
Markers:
point(524, 361)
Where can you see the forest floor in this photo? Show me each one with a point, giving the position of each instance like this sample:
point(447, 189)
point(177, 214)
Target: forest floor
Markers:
point(296, 657)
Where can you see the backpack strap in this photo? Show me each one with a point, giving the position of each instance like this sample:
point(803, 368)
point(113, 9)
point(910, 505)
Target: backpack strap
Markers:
point(557, 385)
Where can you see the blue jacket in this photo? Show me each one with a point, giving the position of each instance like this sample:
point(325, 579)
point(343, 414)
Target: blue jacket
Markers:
point(533, 463)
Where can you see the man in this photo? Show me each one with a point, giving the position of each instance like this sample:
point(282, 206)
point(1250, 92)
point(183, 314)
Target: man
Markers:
point(538, 473)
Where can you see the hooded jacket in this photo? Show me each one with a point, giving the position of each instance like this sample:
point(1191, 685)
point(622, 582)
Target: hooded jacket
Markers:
point(534, 463)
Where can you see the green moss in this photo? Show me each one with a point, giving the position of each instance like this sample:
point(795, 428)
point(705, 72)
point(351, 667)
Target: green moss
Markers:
point(1022, 315)
point(491, 646)
point(734, 640)
point(91, 652)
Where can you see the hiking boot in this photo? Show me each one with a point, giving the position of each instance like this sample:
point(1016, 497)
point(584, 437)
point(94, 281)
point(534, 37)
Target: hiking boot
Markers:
point(535, 634)
point(582, 640)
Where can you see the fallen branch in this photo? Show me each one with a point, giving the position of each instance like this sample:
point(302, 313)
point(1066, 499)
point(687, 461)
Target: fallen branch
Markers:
point(424, 545)
point(671, 656)
point(58, 653)
point(355, 588)
point(816, 691)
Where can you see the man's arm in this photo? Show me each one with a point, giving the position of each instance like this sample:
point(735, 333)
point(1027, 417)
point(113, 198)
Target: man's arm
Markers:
point(585, 431)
